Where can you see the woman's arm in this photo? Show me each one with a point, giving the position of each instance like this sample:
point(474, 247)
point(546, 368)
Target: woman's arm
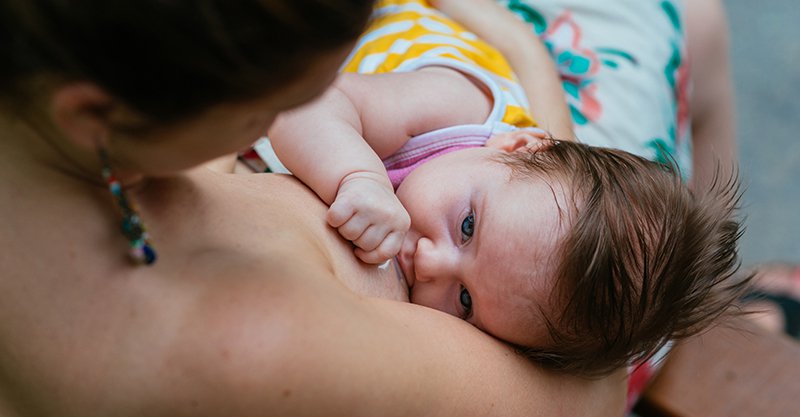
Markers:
point(320, 350)
point(525, 52)
point(711, 101)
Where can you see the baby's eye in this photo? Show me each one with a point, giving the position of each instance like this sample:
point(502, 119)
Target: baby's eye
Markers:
point(468, 227)
point(466, 302)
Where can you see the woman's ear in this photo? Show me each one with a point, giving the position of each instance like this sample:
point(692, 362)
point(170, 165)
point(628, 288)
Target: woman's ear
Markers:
point(519, 139)
point(80, 111)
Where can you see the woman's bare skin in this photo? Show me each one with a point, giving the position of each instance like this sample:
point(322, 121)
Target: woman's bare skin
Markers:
point(254, 305)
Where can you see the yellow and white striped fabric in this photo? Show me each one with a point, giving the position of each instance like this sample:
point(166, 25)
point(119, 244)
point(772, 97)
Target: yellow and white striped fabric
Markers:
point(405, 35)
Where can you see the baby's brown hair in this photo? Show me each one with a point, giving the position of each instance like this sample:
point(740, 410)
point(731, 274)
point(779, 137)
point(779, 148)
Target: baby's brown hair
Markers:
point(644, 261)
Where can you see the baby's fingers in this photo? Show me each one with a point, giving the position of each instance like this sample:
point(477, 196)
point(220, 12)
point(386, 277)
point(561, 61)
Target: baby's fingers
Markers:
point(371, 238)
point(339, 213)
point(355, 227)
point(385, 251)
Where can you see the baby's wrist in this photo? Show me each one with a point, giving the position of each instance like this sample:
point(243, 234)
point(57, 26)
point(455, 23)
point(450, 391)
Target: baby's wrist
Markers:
point(375, 177)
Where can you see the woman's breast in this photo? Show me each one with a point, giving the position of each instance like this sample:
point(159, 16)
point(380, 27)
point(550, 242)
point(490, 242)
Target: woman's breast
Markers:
point(382, 281)
point(291, 205)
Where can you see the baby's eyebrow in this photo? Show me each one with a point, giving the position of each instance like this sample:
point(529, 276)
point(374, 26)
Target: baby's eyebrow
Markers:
point(480, 213)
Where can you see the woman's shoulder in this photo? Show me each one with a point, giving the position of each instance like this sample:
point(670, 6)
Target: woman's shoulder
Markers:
point(326, 343)
point(242, 315)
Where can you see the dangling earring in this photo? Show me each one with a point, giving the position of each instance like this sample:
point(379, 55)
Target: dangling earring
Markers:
point(141, 251)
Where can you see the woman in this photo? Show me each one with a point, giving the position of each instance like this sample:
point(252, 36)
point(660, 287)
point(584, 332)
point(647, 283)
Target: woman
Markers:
point(248, 303)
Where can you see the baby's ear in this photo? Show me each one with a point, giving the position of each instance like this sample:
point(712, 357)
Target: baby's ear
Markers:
point(520, 139)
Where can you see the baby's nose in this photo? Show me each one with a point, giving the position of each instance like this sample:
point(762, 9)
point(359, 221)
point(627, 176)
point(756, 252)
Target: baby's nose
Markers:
point(432, 261)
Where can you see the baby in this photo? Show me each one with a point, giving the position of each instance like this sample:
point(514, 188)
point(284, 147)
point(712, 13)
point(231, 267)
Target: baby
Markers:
point(584, 258)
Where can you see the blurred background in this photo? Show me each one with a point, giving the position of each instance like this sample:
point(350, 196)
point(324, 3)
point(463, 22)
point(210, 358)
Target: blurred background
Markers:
point(765, 49)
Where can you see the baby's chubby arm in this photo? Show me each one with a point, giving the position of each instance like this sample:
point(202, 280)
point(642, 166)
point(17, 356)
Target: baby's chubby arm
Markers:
point(321, 143)
point(335, 145)
point(525, 53)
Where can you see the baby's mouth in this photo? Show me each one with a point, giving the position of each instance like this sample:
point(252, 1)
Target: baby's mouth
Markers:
point(407, 273)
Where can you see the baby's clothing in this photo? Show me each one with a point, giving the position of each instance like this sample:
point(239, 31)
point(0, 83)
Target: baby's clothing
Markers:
point(427, 146)
point(406, 35)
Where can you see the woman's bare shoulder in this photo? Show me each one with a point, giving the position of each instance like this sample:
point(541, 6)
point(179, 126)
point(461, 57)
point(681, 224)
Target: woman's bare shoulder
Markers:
point(281, 348)
point(279, 331)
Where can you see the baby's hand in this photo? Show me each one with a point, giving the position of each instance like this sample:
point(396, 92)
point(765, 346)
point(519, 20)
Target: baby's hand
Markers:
point(367, 212)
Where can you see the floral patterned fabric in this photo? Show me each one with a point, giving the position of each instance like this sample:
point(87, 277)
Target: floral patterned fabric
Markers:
point(624, 71)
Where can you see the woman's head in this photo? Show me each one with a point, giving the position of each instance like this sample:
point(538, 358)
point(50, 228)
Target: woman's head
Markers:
point(164, 85)
point(168, 60)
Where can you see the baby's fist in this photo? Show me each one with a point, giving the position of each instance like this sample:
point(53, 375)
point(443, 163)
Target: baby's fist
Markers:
point(367, 212)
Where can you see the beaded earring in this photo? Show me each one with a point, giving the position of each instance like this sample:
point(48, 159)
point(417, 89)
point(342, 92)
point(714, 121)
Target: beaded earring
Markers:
point(141, 251)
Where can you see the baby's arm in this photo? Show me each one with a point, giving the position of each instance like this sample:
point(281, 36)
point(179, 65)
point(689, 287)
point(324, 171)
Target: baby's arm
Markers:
point(321, 143)
point(335, 143)
point(525, 53)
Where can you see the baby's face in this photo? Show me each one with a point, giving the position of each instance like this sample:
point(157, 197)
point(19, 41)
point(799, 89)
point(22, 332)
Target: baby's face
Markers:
point(482, 246)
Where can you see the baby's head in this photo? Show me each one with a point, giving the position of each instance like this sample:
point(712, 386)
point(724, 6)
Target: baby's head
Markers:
point(584, 258)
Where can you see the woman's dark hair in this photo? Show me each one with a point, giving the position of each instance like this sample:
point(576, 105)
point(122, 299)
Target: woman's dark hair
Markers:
point(169, 59)
point(644, 261)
